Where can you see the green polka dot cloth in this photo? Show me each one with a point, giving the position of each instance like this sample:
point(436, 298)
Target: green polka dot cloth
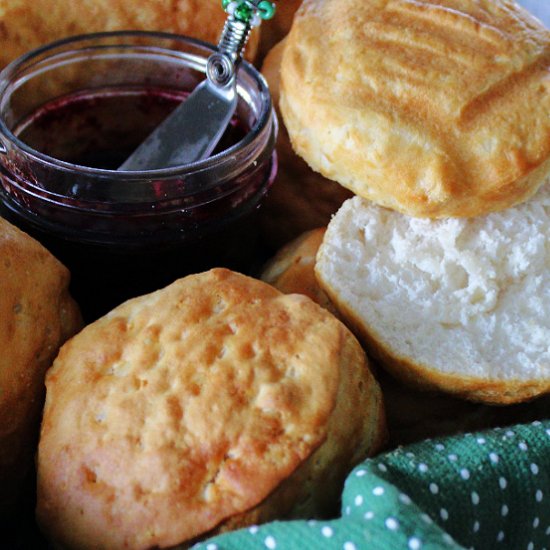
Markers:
point(489, 490)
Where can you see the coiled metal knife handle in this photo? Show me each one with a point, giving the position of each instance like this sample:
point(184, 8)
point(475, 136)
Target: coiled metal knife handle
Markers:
point(243, 16)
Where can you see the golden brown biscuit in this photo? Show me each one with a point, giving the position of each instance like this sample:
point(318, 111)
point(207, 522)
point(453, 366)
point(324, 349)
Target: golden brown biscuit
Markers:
point(300, 198)
point(36, 316)
point(211, 404)
point(430, 108)
point(292, 269)
point(26, 24)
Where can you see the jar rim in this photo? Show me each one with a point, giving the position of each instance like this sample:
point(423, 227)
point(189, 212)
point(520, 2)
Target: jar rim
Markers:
point(264, 116)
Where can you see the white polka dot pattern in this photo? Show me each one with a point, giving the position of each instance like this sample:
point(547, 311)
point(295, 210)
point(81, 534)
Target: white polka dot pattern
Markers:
point(426, 518)
point(476, 491)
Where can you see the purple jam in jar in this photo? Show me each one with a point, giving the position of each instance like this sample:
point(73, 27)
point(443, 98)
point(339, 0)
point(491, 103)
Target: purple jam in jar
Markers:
point(101, 128)
point(70, 113)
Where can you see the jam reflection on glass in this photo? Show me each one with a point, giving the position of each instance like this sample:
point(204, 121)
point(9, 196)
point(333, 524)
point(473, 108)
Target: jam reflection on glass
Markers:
point(115, 257)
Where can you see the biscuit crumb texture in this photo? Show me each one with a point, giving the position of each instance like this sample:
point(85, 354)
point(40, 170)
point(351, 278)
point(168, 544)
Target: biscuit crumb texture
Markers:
point(214, 403)
point(457, 304)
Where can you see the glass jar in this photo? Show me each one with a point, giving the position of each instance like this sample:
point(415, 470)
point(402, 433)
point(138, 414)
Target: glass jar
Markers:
point(72, 111)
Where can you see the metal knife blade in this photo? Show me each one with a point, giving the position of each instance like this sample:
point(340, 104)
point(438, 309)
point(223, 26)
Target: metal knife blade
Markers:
point(190, 133)
point(193, 130)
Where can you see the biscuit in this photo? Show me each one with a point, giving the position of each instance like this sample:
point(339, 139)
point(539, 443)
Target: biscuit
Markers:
point(26, 24)
point(433, 109)
point(411, 415)
point(292, 269)
point(36, 316)
point(214, 403)
point(455, 305)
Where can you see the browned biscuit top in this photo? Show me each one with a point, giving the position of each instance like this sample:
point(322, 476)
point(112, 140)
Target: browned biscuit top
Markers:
point(26, 24)
point(433, 108)
point(36, 316)
point(35, 309)
point(182, 408)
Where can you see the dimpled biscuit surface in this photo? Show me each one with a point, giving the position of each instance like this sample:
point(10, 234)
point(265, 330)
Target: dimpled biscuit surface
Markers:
point(184, 408)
